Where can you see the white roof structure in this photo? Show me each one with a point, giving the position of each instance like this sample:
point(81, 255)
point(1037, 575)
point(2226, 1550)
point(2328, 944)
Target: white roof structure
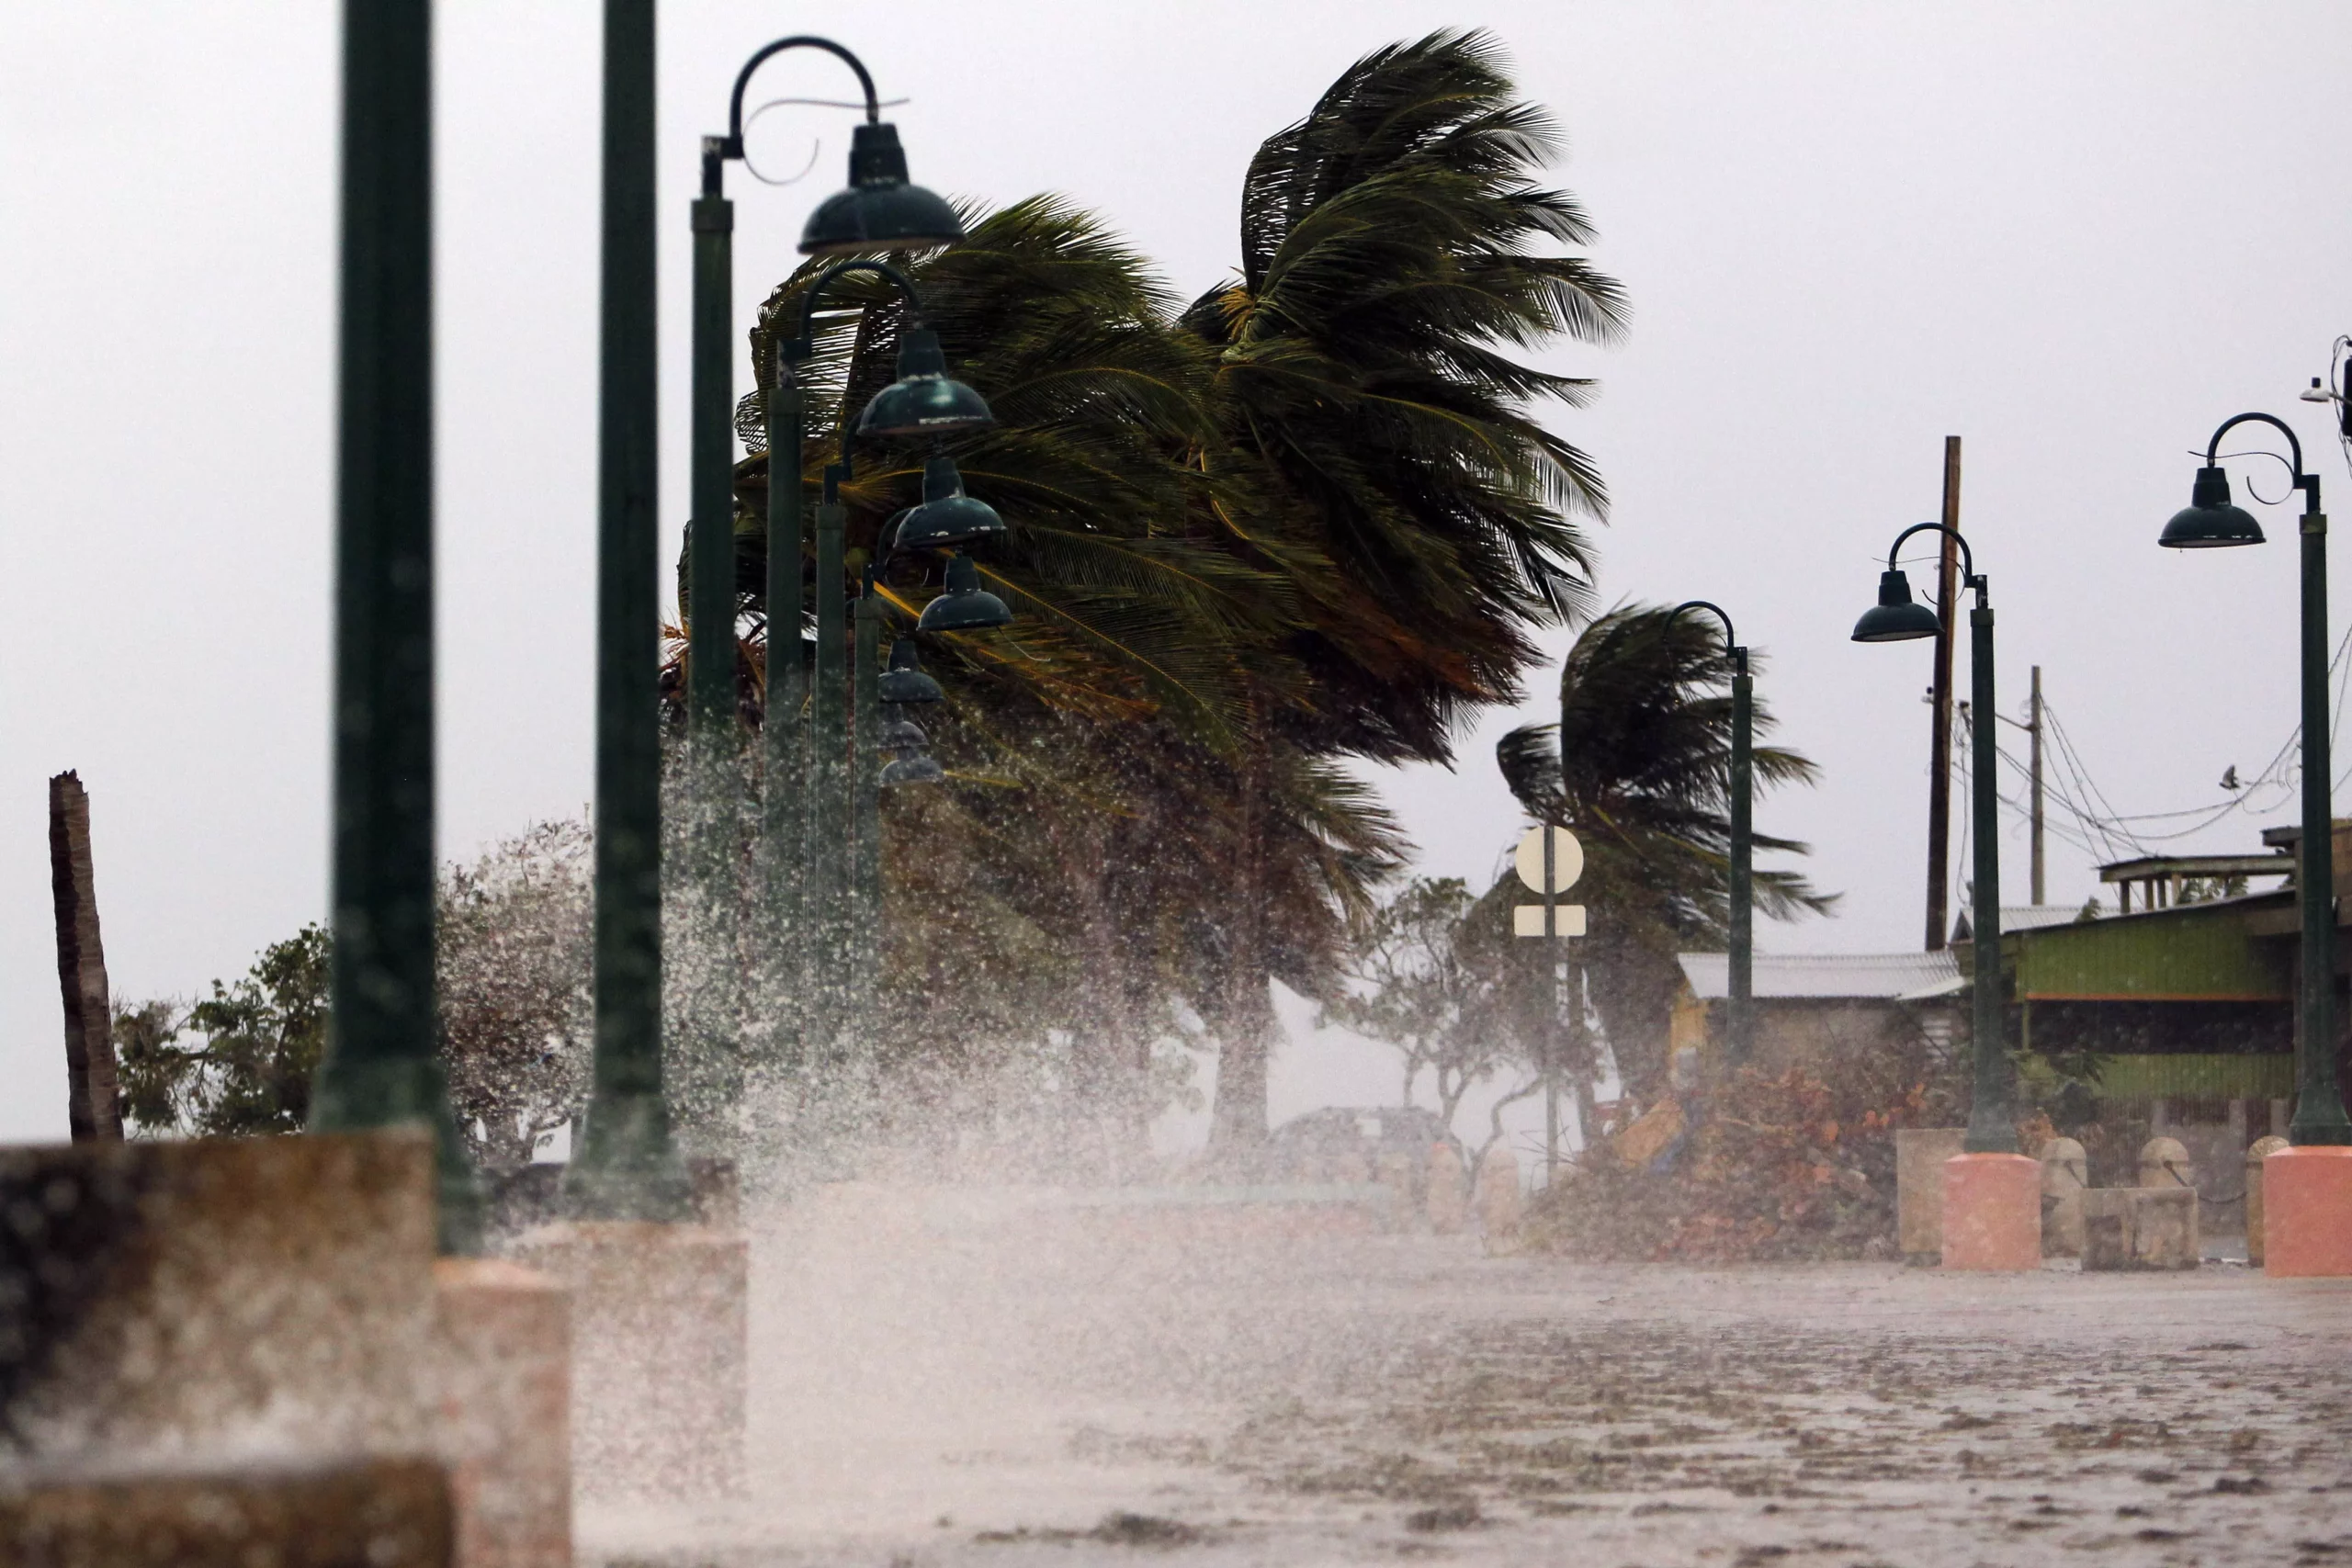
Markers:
point(1883, 977)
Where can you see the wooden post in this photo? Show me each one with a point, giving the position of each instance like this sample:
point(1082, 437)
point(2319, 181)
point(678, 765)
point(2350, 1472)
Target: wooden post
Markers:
point(93, 1107)
point(2034, 730)
point(1940, 698)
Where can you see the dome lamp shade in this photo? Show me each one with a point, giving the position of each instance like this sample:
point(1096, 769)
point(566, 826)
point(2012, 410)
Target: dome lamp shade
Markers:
point(879, 211)
point(904, 682)
point(947, 516)
point(912, 770)
point(1895, 617)
point(924, 400)
point(966, 606)
point(2210, 522)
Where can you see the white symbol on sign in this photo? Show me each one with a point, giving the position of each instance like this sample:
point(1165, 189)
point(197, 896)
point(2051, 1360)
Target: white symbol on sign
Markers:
point(1567, 864)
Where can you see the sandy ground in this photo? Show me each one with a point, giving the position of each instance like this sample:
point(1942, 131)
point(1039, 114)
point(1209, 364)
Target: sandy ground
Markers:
point(961, 1380)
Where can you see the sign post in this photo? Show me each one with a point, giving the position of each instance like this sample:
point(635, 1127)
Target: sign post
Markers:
point(1549, 861)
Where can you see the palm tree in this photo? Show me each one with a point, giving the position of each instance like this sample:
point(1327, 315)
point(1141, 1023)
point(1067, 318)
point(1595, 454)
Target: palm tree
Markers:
point(1311, 517)
point(1638, 764)
point(1396, 245)
point(1100, 787)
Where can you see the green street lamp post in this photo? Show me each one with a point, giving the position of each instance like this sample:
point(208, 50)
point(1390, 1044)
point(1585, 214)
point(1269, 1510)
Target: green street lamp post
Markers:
point(1740, 1032)
point(2211, 522)
point(625, 1165)
point(382, 1066)
point(839, 895)
point(878, 210)
point(1898, 619)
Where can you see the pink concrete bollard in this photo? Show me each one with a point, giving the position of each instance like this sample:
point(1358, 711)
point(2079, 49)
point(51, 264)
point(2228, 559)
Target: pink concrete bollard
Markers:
point(2307, 1212)
point(506, 1412)
point(1992, 1218)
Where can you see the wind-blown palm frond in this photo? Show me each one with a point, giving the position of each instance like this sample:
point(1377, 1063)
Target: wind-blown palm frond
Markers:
point(1638, 763)
point(1392, 248)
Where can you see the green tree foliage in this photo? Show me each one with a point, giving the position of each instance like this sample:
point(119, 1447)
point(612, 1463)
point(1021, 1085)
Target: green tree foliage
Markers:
point(516, 948)
point(1638, 764)
point(257, 1042)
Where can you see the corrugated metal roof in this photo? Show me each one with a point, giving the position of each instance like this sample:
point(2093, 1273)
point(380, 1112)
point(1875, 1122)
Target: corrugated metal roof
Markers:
point(2033, 916)
point(1880, 975)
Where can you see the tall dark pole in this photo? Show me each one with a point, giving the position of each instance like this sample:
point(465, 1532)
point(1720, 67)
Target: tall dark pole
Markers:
point(1740, 913)
point(625, 1166)
point(2211, 521)
point(381, 1068)
point(1743, 859)
point(1552, 1002)
point(2033, 773)
point(2319, 1100)
point(710, 568)
point(828, 783)
point(783, 835)
point(708, 1092)
point(865, 901)
point(1992, 1130)
point(1940, 701)
point(1898, 619)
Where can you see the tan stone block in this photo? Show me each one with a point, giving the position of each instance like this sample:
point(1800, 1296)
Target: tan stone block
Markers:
point(255, 1298)
point(1919, 1156)
point(1497, 1198)
point(2261, 1149)
point(2140, 1228)
point(506, 1406)
point(2165, 1229)
point(2164, 1162)
point(659, 1325)
point(2065, 1174)
point(1448, 1203)
point(385, 1514)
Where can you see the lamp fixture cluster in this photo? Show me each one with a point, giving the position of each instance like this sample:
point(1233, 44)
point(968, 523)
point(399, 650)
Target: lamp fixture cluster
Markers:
point(904, 685)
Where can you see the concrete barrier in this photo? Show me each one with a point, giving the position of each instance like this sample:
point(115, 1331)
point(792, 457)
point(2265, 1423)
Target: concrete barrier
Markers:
point(1919, 1156)
point(1992, 1218)
point(1448, 1204)
point(2164, 1162)
point(1497, 1198)
point(505, 1410)
point(384, 1514)
point(253, 1299)
point(2261, 1150)
point(2140, 1228)
point(659, 1327)
point(2065, 1174)
point(2307, 1211)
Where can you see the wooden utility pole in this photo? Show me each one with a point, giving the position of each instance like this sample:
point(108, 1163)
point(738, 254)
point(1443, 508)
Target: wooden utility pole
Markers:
point(93, 1107)
point(2033, 732)
point(1940, 698)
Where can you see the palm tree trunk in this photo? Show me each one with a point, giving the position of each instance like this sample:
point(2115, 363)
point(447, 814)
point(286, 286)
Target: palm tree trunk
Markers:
point(1238, 1118)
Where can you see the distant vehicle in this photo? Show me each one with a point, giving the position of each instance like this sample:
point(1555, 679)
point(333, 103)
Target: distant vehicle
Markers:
point(1307, 1148)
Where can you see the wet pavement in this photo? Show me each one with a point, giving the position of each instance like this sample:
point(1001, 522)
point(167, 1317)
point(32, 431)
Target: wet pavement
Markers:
point(961, 1379)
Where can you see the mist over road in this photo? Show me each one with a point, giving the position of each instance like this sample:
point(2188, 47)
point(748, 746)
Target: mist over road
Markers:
point(987, 1379)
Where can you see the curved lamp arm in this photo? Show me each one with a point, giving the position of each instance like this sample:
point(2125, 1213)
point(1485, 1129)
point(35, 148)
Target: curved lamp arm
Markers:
point(1731, 639)
point(2308, 483)
point(1967, 555)
point(790, 353)
point(719, 150)
point(734, 145)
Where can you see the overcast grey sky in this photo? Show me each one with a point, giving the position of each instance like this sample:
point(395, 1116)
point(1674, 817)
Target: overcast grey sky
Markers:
point(2077, 235)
